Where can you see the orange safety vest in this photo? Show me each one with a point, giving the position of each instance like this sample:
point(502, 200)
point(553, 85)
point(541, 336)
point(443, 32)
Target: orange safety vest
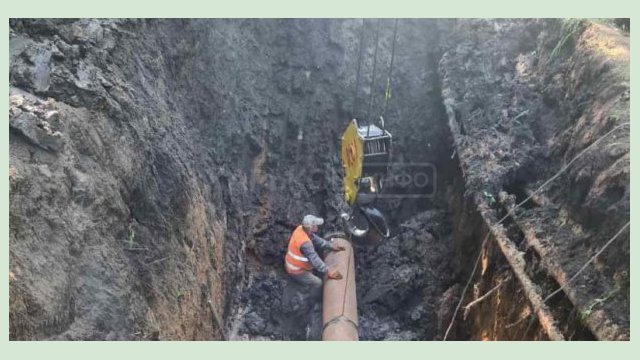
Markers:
point(295, 262)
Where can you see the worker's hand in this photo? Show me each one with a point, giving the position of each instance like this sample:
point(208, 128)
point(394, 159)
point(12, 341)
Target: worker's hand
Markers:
point(337, 247)
point(334, 274)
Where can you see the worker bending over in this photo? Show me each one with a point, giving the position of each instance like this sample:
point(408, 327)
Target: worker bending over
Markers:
point(302, 258)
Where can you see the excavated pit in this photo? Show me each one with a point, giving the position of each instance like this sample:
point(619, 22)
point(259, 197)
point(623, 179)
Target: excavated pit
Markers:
point(157, 168)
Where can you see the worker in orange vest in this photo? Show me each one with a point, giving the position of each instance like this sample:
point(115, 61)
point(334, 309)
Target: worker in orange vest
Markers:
point(302, 257)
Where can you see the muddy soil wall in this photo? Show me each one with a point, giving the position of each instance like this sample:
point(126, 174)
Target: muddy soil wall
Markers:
point(524, 99)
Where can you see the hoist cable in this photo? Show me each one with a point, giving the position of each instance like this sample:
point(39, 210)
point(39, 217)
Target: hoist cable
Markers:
point(355, 90)
point(387, 92)
point(373, 76)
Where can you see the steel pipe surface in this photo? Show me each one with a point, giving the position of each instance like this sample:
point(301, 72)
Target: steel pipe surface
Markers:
point(339, 304)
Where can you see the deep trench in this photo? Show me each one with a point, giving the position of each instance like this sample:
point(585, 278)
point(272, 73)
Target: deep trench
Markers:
point(234, 126)
point(386, 312)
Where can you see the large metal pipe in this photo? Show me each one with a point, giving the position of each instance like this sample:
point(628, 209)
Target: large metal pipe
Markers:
point(339, 304)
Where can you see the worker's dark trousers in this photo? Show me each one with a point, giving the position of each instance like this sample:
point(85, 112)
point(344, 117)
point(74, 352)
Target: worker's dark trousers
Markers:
point(310, 281)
